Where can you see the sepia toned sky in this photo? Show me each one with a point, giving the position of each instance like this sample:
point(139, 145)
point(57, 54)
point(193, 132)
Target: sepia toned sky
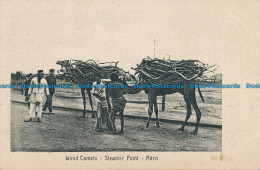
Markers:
point(42, 32)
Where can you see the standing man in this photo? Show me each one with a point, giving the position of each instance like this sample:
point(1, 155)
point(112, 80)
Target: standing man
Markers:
point(27, 83)
point(98, 91)
point(51, 80)
point(36, 92)
point(118, 101)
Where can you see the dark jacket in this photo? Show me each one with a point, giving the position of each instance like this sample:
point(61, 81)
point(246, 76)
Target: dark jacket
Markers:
point(51, 80)
point(27, 82)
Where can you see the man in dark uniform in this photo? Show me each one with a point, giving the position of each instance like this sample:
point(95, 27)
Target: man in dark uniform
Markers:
point(118, 101)
point(51, 80)
point(27, 83)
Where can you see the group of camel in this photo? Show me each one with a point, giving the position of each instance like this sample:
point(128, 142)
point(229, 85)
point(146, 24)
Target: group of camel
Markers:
point(187, 92)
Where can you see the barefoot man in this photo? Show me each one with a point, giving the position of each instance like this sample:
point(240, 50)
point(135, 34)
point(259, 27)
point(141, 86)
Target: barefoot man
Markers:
point(36, 92)
point(118, 101)
point(99, 94)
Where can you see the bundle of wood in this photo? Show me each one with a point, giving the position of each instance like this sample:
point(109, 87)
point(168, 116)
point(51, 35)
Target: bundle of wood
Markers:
point(159, 71)
point(90, 69)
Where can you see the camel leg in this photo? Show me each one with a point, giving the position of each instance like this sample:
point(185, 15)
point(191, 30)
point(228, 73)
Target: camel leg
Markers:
point(188, 106)
point(122, 121)
point(156, 111)
point(150, 109)
point(84, 101)
point(91, 104)
point(198, 115)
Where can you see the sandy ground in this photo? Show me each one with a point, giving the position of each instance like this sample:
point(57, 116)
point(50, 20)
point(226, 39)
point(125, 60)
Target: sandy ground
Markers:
point(67, 131)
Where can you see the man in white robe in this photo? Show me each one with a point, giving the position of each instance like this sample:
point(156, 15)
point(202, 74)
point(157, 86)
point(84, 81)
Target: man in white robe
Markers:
point(36, 92)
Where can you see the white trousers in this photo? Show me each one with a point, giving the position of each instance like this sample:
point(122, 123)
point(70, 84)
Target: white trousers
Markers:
point(99, 109)
point(35, 108)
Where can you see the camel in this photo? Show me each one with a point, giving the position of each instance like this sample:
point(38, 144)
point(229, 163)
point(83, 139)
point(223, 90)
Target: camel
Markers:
point(154, 74)
point(74, 77)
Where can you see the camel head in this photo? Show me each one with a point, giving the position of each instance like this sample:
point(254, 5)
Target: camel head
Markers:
point(68, 70)
point(63, 63)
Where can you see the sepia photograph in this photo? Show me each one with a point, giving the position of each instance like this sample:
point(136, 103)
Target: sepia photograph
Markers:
point(116, 110)
point(129, 84)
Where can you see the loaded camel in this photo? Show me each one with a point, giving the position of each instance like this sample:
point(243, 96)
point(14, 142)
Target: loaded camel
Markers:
point(73, 75)
point(157, 71)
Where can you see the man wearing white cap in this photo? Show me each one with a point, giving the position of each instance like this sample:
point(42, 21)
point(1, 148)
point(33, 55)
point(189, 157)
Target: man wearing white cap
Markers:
point(36, 92)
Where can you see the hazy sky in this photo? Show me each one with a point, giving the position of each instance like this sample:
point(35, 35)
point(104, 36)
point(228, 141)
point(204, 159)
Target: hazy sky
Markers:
point(41, 33)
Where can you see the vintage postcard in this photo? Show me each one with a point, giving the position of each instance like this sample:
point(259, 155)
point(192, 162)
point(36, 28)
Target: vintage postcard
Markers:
point(115, 84)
